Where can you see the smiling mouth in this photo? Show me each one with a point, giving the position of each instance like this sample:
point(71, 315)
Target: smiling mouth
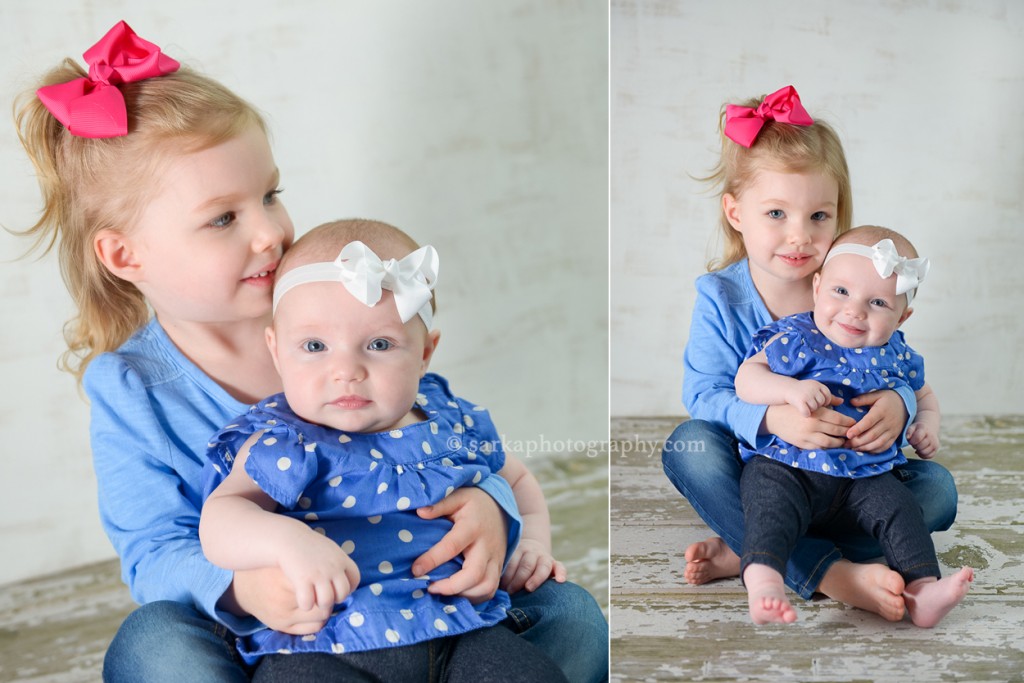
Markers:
point(852, 331)
point(264, 275)
point(795, 259)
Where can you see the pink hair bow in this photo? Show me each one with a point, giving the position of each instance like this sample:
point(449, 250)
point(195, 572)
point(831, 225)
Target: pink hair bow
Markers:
point(94, 107)
point(742, 124)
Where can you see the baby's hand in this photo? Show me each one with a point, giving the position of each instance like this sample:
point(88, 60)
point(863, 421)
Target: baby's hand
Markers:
point(807, 396)
point(924, 439)
point(531, 565)
point(321, 572)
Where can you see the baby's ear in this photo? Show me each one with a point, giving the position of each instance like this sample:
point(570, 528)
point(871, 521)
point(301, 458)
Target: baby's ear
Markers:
point(115, 252)
point(429, 346)
point(271, 336)
point(906, 314)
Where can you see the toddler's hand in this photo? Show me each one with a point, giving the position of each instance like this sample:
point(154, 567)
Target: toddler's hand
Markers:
point(807, 396)
point(531, 565)
point(924, 440)
point(322, 574)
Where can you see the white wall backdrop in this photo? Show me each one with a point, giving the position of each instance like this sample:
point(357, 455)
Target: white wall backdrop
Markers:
point(478, 127)
point(926, 96)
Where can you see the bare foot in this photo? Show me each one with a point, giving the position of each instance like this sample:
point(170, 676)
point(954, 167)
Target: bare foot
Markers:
point(709, 560)
point(928, 600)
point(871, 587)
point(766, 595)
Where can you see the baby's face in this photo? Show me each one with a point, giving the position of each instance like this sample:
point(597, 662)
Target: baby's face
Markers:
point(347, 365)
point(853, 306)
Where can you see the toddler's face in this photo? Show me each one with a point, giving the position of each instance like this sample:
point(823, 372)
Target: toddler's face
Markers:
point(347, 365)
point(207, 243)
point(853, 306)
point(787, 221)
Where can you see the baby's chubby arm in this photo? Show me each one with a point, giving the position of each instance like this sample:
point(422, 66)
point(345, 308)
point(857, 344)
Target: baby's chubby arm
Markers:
point(532, 563)
point(757, 383)
point(923, 434)
point(239, 530)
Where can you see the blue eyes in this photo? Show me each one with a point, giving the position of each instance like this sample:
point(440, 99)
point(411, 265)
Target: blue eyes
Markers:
point(229, 217)
point(317, 346)
point(842, 291)
point(271, 197)
point(223, 220)
point(817, 216)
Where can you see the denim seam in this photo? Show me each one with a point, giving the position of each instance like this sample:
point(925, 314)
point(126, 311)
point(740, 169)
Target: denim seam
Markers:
point(806, 590)
point(522, 621)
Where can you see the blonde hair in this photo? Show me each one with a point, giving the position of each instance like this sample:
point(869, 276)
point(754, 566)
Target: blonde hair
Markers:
point(325, 242)
point(89, 185)
point(781, 147)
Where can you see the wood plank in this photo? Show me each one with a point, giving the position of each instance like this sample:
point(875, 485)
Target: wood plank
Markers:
point(664, 629)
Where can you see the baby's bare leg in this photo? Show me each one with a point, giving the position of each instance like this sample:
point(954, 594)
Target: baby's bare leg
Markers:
point(929, 600)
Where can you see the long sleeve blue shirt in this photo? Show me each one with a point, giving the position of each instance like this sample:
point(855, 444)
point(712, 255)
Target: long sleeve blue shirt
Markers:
point(153, 412)
point(727, 313)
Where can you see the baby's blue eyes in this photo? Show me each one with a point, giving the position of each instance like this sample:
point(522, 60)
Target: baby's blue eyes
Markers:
point(317, 346)
point(776, 213)
point(271, 197)
point(313, 346)
point(842, 291)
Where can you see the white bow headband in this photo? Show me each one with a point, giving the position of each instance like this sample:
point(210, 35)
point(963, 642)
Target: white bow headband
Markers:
point(910, 272)
point(364, 275)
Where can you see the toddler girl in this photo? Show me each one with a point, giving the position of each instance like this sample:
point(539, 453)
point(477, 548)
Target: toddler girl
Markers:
point(785, 194)
point(324, 479)
point(161, 196)
point(849, 344)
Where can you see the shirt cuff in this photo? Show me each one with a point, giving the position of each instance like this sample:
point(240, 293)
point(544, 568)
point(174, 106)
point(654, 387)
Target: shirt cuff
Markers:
point(501, 492)
point(910, 400)
point(241, 626)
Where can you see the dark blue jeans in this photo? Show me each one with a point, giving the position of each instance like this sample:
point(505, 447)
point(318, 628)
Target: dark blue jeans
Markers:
point(702, 461)
point(486, 654)
point(780, 503)
point(171, 642)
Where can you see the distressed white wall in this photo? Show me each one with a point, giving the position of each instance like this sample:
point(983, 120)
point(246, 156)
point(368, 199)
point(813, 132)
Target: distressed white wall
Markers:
point(478, 127)
point(926, 97)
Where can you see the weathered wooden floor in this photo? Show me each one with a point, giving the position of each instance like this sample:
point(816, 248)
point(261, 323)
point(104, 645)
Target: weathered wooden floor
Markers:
point(55, 629)
point(664, 629)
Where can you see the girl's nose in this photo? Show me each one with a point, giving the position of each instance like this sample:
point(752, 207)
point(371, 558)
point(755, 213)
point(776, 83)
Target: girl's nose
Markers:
point(269, 234)
point(798, 233)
